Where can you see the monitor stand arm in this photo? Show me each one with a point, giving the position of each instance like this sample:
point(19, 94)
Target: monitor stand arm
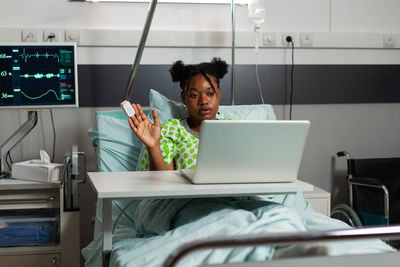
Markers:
point(14, 139)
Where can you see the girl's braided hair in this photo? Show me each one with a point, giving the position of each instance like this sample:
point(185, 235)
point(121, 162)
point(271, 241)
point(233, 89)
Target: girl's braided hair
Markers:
point(183, 74)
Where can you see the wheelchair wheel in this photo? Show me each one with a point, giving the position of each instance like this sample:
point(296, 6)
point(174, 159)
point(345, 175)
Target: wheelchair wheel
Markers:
point(346, 214)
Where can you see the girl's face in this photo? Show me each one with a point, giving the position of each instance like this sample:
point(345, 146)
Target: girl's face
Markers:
point(201, 100)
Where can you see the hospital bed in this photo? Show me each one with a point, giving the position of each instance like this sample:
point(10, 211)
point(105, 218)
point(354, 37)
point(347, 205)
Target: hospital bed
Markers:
point(118, 149)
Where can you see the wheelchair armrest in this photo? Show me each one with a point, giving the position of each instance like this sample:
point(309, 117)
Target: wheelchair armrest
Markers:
point(365, 181)
point(373, 183)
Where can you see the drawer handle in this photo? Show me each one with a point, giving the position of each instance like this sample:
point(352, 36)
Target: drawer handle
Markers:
point(27, 200)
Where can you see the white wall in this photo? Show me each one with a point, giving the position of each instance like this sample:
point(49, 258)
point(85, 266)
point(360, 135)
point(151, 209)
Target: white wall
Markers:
point(365, 130)
point(356, 128)
point(308, 15)
point(314, 15)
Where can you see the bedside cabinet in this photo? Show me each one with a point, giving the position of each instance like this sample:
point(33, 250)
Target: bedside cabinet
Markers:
point(26, 207)
point(320, 200)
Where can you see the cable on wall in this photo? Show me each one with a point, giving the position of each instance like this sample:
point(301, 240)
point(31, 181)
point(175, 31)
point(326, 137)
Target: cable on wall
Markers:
point(290, 40)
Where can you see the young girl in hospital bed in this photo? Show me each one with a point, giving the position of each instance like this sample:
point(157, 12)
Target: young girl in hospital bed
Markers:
point(178, 145)
point(160, 226)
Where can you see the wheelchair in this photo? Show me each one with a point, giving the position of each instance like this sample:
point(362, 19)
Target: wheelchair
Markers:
point(373, 192)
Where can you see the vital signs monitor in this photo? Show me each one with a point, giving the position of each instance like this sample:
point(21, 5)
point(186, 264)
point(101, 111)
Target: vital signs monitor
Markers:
point(38, 75)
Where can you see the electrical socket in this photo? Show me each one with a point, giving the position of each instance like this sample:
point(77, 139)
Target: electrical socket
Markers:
point(51, 32)
point(72, 36)
point(285, 35)
point(29, 35)
point(389, 41)
point(269, 39)
point(306, 39)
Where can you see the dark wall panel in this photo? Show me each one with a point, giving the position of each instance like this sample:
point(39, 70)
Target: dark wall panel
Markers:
point(104, 85)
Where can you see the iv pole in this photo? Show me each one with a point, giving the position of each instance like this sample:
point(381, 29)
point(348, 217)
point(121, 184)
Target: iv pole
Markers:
point(233, 9)
point(142, 43)
point(139, 52)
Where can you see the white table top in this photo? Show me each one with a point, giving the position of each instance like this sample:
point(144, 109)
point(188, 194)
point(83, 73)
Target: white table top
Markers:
point(170, 184)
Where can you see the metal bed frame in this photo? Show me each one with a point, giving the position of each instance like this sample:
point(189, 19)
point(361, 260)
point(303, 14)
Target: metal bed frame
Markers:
point(390, 232)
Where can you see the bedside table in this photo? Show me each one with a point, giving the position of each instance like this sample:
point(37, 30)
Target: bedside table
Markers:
point(320, 200)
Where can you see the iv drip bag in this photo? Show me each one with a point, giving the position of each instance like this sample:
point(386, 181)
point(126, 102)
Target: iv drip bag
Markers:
point(256, 12)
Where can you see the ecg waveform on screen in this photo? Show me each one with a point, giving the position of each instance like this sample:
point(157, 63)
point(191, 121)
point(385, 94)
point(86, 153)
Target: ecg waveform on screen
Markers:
point(40, 75)
point(42, 95)
point(5, 95)
point(47, 92)
point(59, 98)
point(25, 56)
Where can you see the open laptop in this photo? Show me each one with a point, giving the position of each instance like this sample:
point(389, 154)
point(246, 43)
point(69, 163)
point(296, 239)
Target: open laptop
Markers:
point(248, 152)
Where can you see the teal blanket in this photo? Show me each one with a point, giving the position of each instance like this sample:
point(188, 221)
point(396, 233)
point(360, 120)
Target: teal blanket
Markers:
point(157, 227)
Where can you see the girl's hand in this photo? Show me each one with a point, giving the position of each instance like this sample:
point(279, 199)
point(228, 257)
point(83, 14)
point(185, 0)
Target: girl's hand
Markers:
point(146, 131)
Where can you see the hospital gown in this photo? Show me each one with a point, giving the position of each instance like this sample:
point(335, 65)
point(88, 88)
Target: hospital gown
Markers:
point(178, 144)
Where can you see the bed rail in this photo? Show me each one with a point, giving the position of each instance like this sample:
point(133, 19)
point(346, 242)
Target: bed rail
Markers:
point(388, 232)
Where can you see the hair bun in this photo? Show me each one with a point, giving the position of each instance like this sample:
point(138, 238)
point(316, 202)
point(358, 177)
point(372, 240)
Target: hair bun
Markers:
point(178, 71)
point(220, 66)
point(183, 73)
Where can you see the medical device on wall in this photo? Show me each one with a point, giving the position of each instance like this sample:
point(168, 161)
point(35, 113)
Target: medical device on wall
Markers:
point(35, 76)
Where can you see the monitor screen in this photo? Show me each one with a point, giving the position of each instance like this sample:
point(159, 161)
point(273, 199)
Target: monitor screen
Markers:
point(38, 75)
